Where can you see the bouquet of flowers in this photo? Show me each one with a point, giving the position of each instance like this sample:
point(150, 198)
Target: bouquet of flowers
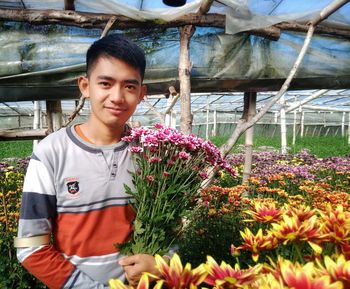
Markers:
point(170, 168)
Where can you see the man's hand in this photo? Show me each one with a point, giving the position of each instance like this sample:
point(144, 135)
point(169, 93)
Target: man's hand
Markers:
point(136, 264)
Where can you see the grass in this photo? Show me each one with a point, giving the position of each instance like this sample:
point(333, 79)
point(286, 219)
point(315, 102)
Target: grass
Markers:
point(15, 149)
point(323, 146)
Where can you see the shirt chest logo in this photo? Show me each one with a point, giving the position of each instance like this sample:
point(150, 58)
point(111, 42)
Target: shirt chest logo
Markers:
point(72, 186)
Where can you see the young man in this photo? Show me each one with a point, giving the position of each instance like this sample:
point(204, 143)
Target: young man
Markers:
point(74, 187)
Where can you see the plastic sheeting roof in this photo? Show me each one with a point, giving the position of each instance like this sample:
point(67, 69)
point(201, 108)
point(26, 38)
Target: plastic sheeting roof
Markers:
point(223, 59)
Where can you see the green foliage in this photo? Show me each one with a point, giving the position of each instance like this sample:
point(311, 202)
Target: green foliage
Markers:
point(213, 226)
point(15, 149)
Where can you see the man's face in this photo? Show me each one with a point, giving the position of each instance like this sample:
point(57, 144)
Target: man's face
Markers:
point(114, 89)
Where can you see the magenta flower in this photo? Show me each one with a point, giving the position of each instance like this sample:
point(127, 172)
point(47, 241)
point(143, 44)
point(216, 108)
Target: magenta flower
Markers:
point(136, 149)
point(154, 160)
point(172, 168)
point(184, 156)
point(203, 175)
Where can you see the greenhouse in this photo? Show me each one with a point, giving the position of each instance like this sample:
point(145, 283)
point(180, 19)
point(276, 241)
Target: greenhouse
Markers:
point(235, 161)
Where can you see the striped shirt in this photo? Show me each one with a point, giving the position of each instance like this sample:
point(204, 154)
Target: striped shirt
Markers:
point(74, 190)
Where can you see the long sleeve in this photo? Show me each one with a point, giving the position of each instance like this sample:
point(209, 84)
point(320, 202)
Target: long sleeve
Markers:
point(38, 211)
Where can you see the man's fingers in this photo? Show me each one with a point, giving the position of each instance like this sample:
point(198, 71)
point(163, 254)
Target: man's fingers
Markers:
point(126, 261)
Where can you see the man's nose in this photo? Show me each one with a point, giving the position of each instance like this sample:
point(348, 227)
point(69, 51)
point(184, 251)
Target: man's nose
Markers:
point(117, 94)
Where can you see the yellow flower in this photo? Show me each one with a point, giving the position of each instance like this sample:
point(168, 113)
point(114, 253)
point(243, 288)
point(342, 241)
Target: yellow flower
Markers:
point(175, 276)
point(224, 276)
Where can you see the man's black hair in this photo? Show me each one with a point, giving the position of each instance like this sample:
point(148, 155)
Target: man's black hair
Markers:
point(117, 46)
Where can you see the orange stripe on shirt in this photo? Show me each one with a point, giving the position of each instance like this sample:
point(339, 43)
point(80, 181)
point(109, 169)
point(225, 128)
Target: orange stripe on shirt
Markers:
point(49, 266)
point(93, 233)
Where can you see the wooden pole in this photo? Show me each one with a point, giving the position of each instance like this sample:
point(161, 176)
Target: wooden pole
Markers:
point(186, 33)
point(36, 120)
point(294, 127)
point(250, 101)
point(215, 121)
point(283, 126)
point(343, 124)
point(207, 122)
point(349, 129)
point(54, 115)
point(302, 124)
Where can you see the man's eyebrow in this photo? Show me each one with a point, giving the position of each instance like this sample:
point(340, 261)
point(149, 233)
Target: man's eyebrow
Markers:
point(129, 81)
point(105, 77)
point(132, 81)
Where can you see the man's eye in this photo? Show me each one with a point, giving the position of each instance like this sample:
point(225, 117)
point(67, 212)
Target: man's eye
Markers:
point(130, 87)
point(103, 83)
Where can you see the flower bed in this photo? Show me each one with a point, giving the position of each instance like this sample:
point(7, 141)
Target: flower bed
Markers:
point(290, 227)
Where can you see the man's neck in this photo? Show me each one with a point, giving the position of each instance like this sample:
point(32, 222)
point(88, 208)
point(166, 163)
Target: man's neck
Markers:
point(101, 135)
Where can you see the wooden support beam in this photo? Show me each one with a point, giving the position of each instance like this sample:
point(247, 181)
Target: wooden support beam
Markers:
point(94, 20)
point(23, 134)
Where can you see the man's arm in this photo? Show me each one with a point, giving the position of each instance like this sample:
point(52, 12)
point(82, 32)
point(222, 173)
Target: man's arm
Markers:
point(38, 209)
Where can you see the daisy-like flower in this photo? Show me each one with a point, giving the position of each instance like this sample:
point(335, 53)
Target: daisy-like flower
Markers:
point(258, 242)
point(338, 269)
point(291, 229)
point(336, 224)
point(224, 276)
point(175, 276)
point(265, 213)
point(302, 211)
point(305, 276)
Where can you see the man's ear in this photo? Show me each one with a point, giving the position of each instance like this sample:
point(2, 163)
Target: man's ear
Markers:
point(83, 83)
point(143, 92)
